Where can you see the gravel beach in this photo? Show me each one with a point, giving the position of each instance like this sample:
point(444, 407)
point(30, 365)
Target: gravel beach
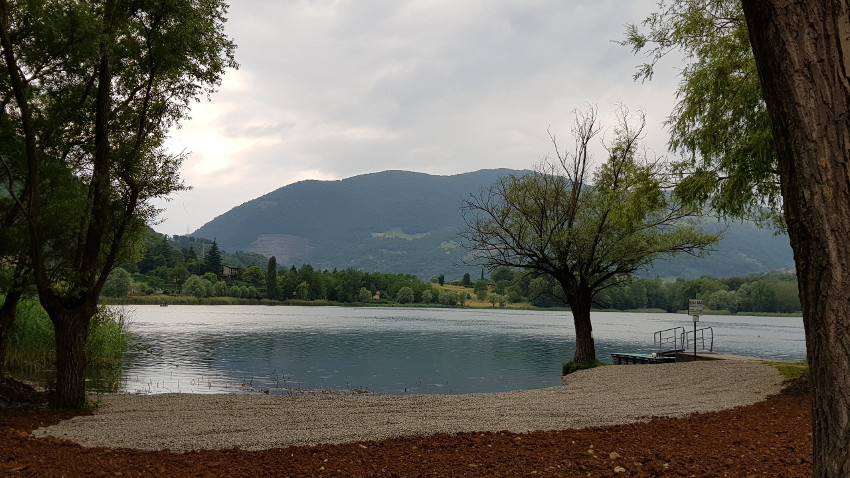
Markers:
point(602, 396)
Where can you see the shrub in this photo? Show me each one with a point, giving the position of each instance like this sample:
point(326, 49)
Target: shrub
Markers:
point(573, 366)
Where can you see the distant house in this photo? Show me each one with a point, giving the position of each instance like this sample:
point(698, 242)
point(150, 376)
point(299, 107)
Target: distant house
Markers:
point(229, 273)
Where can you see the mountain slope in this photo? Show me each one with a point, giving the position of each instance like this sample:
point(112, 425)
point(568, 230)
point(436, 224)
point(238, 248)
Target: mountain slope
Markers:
point(405, 222)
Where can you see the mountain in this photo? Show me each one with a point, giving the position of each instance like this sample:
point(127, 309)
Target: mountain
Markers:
point(406, 222)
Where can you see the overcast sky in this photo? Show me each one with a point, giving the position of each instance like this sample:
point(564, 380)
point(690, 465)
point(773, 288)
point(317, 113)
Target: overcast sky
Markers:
point(330, 89)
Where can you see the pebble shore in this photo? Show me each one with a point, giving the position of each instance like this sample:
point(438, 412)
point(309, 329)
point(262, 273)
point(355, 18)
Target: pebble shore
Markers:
point(602, 396)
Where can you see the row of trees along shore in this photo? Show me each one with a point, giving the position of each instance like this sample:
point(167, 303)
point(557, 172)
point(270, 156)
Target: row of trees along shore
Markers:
point(91, 89)
point(164, 269)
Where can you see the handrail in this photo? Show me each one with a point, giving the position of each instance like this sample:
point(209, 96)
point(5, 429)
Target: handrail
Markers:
point(698, 338)
point(668, 336)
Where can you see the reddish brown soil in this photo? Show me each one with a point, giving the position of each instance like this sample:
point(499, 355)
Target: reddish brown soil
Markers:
point(771, 438)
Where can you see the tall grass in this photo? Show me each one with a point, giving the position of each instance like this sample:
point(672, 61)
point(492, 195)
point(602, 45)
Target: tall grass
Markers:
point(31, 347)
point(32, 344)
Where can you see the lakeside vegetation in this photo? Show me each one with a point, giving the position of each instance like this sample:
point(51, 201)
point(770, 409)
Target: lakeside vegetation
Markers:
point(188, 270)
point(32, 344)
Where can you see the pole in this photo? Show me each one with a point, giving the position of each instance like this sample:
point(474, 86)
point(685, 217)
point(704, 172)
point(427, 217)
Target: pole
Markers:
point(695, 341)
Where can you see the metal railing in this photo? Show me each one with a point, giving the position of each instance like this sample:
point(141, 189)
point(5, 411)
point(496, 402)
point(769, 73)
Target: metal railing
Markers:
point(669, 340)
point(698, 337)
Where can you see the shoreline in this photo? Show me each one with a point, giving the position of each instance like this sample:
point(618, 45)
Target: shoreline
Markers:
point(219, 301)
point(597, 397)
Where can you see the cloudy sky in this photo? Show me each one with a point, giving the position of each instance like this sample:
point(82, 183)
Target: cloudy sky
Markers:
point(329, 89)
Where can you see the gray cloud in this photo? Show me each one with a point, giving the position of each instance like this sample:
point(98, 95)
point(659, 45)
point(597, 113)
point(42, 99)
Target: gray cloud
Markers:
point(329, 89)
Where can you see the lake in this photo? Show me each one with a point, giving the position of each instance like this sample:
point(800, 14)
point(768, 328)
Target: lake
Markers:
point(289, 350)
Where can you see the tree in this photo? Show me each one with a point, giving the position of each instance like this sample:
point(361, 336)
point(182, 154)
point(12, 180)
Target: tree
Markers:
point(448, 297)
point(90, 90)
point(802, 51)
point(212, 259)
point(480, 289)
point(271, 278)
point(196, 287)
point(586, 232)
point(118, 283)
point(466, 281)
point(502, 274)
point(719, 125)
point(254, 275)
point(405, 295)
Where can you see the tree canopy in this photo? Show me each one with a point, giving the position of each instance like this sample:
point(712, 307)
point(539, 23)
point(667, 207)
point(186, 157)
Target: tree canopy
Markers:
point(585, 229)
point(719, 126)
point(89, 91)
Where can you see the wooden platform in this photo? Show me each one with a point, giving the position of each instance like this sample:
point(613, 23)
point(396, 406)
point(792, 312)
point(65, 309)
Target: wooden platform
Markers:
point(704, 355)
point(634, 359)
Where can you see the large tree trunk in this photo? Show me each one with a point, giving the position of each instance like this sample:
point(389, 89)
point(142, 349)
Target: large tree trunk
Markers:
point(585, 347)
point(71, 327)
point(802, 49)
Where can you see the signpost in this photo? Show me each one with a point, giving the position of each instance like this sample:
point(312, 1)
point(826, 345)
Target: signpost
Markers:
point(695, 308)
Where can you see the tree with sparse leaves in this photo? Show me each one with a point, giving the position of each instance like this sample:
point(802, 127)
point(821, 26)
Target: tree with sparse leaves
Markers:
point(586, 230)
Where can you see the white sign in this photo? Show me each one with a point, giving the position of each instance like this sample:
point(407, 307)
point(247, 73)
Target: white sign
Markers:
point(695, 308)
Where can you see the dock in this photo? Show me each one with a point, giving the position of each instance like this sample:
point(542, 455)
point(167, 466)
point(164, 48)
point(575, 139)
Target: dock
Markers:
point(672, 345)
point(635, 359)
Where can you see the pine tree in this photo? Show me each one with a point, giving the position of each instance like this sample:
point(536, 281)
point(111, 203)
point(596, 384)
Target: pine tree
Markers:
point(212, 259)
point(271, 278)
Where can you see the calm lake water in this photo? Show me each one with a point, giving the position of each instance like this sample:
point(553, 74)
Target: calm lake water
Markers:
point(284, 350)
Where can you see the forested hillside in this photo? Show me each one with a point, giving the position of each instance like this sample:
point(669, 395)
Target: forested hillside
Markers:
point(407, 223)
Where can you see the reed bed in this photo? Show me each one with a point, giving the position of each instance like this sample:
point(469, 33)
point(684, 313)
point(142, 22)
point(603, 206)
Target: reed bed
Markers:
point(32, 344)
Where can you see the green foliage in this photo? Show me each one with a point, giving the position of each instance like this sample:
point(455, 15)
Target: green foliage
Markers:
point(196, 286)
point(480, 289)
point(90, 91)
point(108, 337)
point(759, 293)
point(212, 260)
point(405, 295)
point(271, 278)
point(502, 274)
point(118, 283)
point(588, 235)
point(32, 344)
point(449, 297)
point(254, 275)
point(573, 366)
point(719, 126)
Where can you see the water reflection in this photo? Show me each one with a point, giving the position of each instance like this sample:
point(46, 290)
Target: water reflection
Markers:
point(285, 350)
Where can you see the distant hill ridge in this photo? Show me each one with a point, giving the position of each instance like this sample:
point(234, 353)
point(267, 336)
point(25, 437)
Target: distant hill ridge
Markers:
point(407, 222)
